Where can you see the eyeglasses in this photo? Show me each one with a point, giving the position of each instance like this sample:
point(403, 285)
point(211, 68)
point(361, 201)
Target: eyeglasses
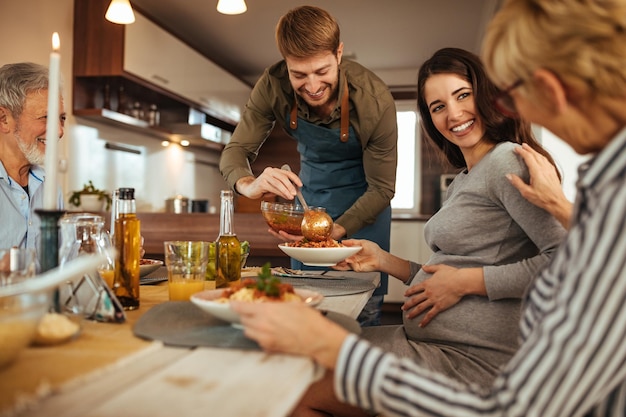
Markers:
point(505, 103)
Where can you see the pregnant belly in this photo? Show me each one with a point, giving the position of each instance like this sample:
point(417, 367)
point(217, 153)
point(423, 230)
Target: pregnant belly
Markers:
point(474, 321)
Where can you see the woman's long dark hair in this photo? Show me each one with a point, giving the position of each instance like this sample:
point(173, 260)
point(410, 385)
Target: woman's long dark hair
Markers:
point(498, 128)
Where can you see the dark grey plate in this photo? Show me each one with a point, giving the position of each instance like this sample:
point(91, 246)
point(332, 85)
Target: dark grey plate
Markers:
point(152, 280)
point(180, 323)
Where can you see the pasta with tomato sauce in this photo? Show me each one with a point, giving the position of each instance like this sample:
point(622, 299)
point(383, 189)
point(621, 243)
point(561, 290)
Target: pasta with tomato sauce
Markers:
point(248, 290)
point(304, 243)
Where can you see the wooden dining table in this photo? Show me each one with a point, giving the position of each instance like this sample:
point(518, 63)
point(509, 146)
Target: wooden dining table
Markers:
point(107, 371)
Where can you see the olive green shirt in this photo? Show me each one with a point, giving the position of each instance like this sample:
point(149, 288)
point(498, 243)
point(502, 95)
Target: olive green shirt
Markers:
point(372, 116)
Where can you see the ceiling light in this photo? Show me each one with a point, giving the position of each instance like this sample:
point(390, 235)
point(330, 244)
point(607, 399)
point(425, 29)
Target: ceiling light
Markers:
point(231, 6)
point(121, 12)
point(184, 142)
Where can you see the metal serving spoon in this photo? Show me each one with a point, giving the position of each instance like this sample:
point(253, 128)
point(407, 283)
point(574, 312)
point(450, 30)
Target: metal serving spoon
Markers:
point(316, 223)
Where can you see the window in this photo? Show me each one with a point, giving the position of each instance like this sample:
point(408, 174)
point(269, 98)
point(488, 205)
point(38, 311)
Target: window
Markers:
point(408, 189)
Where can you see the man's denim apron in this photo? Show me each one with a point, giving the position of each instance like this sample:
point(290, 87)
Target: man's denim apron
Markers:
point(333, 177)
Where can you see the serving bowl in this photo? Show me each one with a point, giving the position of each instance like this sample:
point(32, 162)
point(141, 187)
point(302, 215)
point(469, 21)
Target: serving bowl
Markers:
point(319, 256)
point(25, 302)
point(207, 301)
point(283, 216)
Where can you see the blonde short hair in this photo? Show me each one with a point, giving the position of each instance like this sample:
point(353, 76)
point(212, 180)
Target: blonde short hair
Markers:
point(582, 41)
point(307, 31)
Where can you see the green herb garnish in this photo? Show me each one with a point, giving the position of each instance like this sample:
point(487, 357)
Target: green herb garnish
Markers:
point(268, 283)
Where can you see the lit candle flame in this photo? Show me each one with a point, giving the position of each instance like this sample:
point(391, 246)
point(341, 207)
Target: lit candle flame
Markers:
point(56, 42)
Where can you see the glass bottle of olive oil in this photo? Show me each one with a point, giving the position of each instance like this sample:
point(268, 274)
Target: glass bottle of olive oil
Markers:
point(127, 239)
point(227, 245)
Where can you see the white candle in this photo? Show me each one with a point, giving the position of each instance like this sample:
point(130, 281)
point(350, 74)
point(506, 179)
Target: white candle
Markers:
point(50, 190)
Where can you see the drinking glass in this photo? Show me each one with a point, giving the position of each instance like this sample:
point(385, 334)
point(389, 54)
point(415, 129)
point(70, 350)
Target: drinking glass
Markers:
point(16, 264)
point(186, 263)
point(81, 234)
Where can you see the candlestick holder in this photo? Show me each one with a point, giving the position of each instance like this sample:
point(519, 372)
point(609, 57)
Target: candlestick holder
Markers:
point(49, 244)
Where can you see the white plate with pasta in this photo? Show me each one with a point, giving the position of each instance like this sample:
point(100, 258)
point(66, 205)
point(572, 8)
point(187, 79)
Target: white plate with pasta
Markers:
point(214, 303)
point(324, 256)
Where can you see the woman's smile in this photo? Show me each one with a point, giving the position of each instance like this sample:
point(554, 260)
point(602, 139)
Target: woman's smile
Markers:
point(462, 128)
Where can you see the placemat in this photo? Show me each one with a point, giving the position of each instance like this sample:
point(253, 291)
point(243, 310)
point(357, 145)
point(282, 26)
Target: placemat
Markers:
point(331, 287)
point(154, 277)
point(149, 280)
point(182, 324)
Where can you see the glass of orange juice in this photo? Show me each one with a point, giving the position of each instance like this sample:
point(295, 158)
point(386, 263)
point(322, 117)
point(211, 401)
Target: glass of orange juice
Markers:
point(107, 272)
point(107, 268)
point(186, 263)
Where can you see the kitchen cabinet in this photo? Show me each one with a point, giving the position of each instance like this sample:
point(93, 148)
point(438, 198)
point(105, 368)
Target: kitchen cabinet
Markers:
point(116, 66)
point(152, 54)
point(158, 57)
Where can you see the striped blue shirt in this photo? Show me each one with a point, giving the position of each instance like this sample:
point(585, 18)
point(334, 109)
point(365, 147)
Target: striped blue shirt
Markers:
point(572, 361)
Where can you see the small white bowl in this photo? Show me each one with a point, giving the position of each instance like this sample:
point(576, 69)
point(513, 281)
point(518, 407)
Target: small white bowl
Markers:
point(319, 256)
point(206, 301)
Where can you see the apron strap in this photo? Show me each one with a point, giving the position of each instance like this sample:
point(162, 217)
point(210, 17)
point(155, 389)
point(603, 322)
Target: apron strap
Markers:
point(293, 120)
point(345, 114)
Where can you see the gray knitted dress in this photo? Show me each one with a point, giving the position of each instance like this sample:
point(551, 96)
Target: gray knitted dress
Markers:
point(484, 222)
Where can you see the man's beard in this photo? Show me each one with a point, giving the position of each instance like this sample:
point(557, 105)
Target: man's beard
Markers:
point(31, 152)
point(334, 93)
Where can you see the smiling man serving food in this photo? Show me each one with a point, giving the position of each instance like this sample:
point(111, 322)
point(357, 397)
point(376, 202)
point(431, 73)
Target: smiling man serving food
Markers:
point(343, 118)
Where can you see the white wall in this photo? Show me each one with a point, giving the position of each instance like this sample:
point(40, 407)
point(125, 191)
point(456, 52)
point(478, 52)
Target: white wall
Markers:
point(157, 173)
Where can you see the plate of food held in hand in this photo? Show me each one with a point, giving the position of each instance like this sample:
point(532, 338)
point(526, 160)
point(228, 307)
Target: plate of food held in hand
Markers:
point(147, 266)
point(325, 253)
point(265, 288)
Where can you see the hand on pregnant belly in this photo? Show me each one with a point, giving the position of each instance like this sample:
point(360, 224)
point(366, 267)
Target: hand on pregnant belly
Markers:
point(435, 294)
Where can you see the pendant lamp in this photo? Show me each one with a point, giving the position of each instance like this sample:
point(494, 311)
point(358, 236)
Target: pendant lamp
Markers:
point(231, 6)
point(121, 12)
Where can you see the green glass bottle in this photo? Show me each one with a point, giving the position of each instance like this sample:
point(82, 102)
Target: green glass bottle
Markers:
point(227, 245)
